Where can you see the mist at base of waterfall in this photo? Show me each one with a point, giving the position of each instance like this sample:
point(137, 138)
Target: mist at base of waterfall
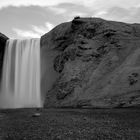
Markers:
point(20, 84)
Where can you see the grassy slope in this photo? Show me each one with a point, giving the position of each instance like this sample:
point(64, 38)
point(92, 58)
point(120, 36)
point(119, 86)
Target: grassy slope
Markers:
point(70, 124)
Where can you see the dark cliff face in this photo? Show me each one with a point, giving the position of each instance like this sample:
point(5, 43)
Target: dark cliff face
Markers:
point(3, 40)
point(94, 63)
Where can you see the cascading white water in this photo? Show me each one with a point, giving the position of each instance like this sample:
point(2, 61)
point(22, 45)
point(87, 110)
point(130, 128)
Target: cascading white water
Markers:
point(20, 85)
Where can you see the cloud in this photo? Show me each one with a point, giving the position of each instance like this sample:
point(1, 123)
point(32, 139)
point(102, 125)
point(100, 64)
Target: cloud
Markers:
point(58, 10)
point(26, 18)
point(95, 4)
point(37, 29)
point(5, 3)
point(35, 32)
point(69, 10)
point(100, 13)
point(130, 15)
point(134, 15)
point(49, 26)
point(107, 4)
point(43, 29)
point(26, 34)
point(114, 13)
point(27, 21)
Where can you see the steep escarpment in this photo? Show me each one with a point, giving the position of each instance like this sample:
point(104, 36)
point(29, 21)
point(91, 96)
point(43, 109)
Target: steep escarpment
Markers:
point(92, 63)
point(3, 40)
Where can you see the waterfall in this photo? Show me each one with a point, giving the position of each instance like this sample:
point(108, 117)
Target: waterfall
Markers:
point(20, 84)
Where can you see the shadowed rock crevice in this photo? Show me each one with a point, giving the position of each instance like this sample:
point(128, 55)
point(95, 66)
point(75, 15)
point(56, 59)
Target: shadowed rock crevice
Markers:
point(3, 40)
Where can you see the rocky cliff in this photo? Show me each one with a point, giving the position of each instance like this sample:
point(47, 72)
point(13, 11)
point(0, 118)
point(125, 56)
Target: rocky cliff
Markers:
point(3, 40)
point(91, 62)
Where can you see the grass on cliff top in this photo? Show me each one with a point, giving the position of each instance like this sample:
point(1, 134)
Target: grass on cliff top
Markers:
point(70, 124)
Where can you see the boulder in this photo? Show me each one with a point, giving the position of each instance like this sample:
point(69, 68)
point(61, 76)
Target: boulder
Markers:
point(91, 63)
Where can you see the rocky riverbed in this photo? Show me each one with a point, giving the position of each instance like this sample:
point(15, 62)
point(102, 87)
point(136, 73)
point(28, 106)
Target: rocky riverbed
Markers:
point(70, 124)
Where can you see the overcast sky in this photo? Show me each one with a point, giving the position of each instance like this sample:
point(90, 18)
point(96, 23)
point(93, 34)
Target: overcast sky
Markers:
point(33, 18)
